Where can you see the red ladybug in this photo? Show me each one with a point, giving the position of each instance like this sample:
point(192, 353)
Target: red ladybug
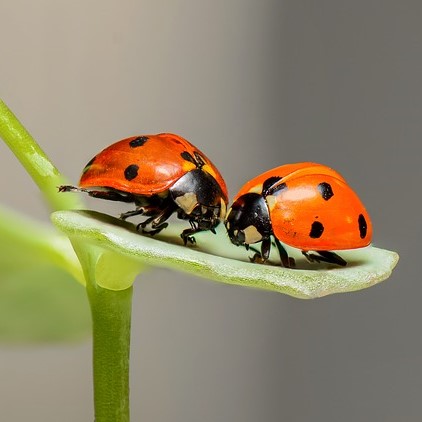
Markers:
point(305, 205)
point(161, 174)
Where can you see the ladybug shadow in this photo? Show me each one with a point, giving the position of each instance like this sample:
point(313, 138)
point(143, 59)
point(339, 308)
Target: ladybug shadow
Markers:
point(220, 245)
point(351, 257)
point(304, 264)
point(109, 219)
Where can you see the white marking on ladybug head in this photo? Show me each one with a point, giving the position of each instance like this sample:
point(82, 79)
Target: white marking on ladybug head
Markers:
point(223, 209)
point(187, 202)
point(271, 201)
point(252, 235)
point(256, 189)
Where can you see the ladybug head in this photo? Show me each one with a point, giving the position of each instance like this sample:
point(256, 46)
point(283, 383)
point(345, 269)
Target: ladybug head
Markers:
point(200, 199)
point(248, 220)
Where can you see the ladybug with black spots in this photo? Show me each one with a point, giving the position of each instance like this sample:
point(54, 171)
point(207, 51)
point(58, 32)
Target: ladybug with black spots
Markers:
point(308, 206)
point(161, 174)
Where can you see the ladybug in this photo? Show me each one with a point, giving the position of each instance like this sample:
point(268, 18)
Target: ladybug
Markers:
point(161, 174)
point(307, 205)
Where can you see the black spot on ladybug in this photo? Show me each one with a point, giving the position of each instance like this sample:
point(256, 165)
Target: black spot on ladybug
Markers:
point(363, 227)
point(196, 159)
point(131, 171)
point(138, 142)
point(270, 186)
point(89, 164)
point(325, 190)
point(187, 156)
point(316, 230)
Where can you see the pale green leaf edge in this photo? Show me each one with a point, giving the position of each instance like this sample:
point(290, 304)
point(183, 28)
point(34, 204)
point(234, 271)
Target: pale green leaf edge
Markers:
point(38, 242)
point(367, 266)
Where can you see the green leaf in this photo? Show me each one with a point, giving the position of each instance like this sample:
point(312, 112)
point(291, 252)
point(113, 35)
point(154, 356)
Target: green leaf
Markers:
point(39, 299)
point(42, 303)
point(214, 257)
point(25, 243)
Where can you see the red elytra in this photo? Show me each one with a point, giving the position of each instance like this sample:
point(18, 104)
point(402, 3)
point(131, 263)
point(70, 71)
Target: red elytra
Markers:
point(158, 157)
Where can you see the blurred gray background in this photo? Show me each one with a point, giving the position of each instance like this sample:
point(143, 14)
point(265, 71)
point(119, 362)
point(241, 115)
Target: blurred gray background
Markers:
point(254, 84)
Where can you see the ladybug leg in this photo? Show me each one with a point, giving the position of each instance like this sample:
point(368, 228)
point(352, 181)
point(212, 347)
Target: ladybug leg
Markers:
point(128, 214)
point(186, 234)
point(157, 222)
point(262, 257)
point(325, 256)
point(256, 258)
point(109, 194)
point(156, 230)
point(69, 188)
point(332, 258)
point(287, 261)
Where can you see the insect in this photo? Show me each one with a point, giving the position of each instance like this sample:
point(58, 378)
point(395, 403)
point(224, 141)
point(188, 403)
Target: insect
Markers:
point(161, 174)
point(307, 205)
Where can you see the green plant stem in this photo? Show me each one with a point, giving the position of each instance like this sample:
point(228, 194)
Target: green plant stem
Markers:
point(111, 310)
point(35, 161)
point(111, 316)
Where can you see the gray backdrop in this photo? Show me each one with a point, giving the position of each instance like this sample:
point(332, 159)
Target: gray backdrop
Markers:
point(254, 84)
